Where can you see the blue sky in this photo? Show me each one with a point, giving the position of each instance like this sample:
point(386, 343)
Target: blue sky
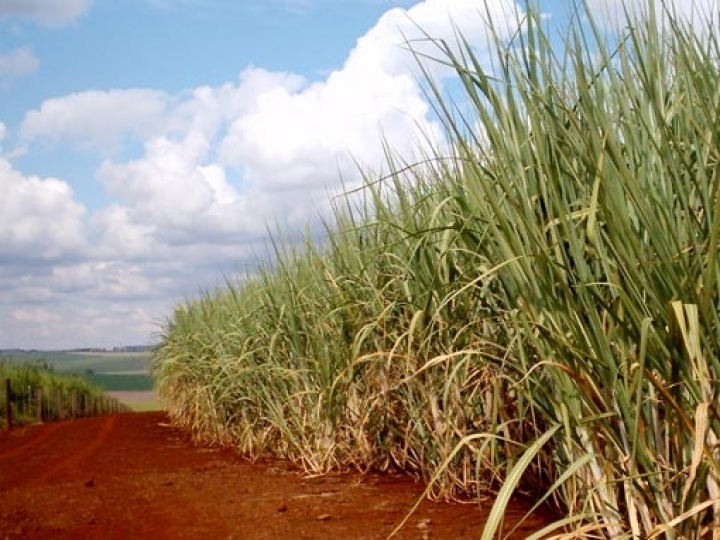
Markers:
point(146, 145)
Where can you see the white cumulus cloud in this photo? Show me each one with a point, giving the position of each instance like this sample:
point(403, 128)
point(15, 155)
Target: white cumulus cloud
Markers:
point(95, 119)
point(304, 137)
point(176, 194)
point(39, 217)
point(120, 236)
point(385, 46)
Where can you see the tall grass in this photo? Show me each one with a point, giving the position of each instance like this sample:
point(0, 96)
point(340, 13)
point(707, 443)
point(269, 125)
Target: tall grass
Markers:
point(544, 302)
point(598, 181)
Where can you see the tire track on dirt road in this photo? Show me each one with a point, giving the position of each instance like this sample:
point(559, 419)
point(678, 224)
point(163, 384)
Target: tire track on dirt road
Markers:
point(73, 461)
point(52, 450)
point(40, 434)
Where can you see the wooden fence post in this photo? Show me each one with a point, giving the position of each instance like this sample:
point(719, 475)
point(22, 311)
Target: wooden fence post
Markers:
point(39, 404)
point(8, 404)
point(59, 405)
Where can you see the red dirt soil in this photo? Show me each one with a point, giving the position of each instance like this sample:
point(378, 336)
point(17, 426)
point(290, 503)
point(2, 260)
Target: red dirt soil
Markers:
point(132, 476)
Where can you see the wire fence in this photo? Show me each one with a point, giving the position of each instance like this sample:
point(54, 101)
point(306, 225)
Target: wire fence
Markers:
point(37, 404)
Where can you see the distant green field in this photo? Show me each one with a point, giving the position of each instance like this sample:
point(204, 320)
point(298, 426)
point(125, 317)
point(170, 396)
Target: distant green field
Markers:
point(112, 371)
point(80, 361)
point(116, 382)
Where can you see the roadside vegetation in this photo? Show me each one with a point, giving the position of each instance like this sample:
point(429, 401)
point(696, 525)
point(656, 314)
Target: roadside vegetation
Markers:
point(60, 393)
point(535, 309)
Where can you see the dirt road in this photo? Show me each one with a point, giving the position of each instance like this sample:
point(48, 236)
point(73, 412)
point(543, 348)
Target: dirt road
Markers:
point(132, 476)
